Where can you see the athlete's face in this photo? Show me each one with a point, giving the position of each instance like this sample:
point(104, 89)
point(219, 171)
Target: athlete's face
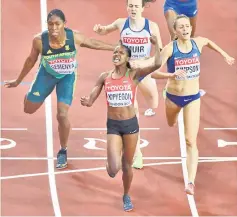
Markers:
point(183, 28)
point(120, 56)
point(134, 8)
point(55, 26)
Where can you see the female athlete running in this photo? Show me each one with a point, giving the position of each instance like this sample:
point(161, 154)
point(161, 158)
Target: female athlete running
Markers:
point(183, 62)
point(122, 124)
point(58, 48)
point(134, 33)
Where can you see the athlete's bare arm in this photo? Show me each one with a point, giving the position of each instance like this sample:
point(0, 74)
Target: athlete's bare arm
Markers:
point(30, 61)
point(156, 31)
point(165, 54)
point(147, 69)
point(104, 30)
point(83, 41)
point(89, 100)
point(201, 42)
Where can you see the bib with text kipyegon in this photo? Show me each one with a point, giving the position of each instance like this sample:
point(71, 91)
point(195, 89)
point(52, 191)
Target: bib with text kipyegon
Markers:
point(119, 95)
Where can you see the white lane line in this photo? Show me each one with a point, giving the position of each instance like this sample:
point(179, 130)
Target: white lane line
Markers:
point(105, 158)
point(182, 141)
point(222, 143)
point(210, 128)
point(49, 128)
point(95, 129)
point(103, 168)
point(12, 129)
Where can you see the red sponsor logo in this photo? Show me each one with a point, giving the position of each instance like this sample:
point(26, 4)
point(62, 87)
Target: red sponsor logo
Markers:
point(61, 61)
point(135, 40)
point(187, 61)
point(118, 87)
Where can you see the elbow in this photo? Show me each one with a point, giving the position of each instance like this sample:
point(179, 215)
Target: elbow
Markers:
point(157, 65)
point(31, 61)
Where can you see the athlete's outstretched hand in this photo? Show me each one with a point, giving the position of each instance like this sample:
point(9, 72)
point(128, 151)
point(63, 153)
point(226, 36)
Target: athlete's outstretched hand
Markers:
point(85, 101)
point(98, 28)
point(180, 75)
point(12, 83)
point(153, 39)
point(229, 60)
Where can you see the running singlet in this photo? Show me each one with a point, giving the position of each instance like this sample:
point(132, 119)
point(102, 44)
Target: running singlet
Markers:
point(189, 62)
point(120, 92)
point(137, 41)
point(62, 61)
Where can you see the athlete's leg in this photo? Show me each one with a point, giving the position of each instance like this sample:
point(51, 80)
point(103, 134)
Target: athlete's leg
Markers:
point(138, 161)
point(170, 16)
point(191, 127)
point(65, 91)
point(129, 143)
point(193, 21)
point(149, 90)
point(114, 153)
point(172, 112)
point(41, 87)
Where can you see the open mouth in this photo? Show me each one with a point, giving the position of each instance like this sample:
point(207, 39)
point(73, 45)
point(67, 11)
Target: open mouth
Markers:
point(116, 59)
point(186, 33)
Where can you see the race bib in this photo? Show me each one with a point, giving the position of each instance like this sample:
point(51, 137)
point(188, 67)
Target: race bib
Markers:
point(63, 66)
point(139, 46)
point(119, 98)
point(190, 65)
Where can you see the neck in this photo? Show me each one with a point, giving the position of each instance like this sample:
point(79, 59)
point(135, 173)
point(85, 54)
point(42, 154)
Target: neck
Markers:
point(59, 39)
point(183, 41)
point(121, 70)
point(137, 22)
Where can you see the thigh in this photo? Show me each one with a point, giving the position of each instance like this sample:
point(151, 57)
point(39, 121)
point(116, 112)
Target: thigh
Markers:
point(65, 89)
point(129, 147)
point(114, 150)
point(148, 87)
point(170, 12)
point(41, 87)
point(191, 120)
point(172, 111)
point(193, 21)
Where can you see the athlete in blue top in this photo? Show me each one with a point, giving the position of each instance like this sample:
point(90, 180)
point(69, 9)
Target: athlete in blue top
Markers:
point(57, 46)
point(172, 8)
point(183, 62)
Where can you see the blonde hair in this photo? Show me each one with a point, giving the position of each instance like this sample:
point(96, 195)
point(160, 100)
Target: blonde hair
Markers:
point(179, 17)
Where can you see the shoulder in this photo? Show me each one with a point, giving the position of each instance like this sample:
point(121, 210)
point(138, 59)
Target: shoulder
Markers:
point(37, 36)
point(201, 42)
point(153, 24)
point(120, 22)
point(169, 47)
point(105, 74)
point(37, 40)
point(200, 39)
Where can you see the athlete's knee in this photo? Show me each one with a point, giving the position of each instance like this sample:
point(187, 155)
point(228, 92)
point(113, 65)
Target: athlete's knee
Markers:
point(28, 110)
point(171, 123)
point(29, 107)
point(126, 165)
point(112, 169)
point(62, 116)
point(190, 142)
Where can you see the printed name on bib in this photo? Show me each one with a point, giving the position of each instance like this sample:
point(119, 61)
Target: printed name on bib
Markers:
point(119, 98)
point(137, 45)
point(119, 95)
point(63, 66)
point(190, 65)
